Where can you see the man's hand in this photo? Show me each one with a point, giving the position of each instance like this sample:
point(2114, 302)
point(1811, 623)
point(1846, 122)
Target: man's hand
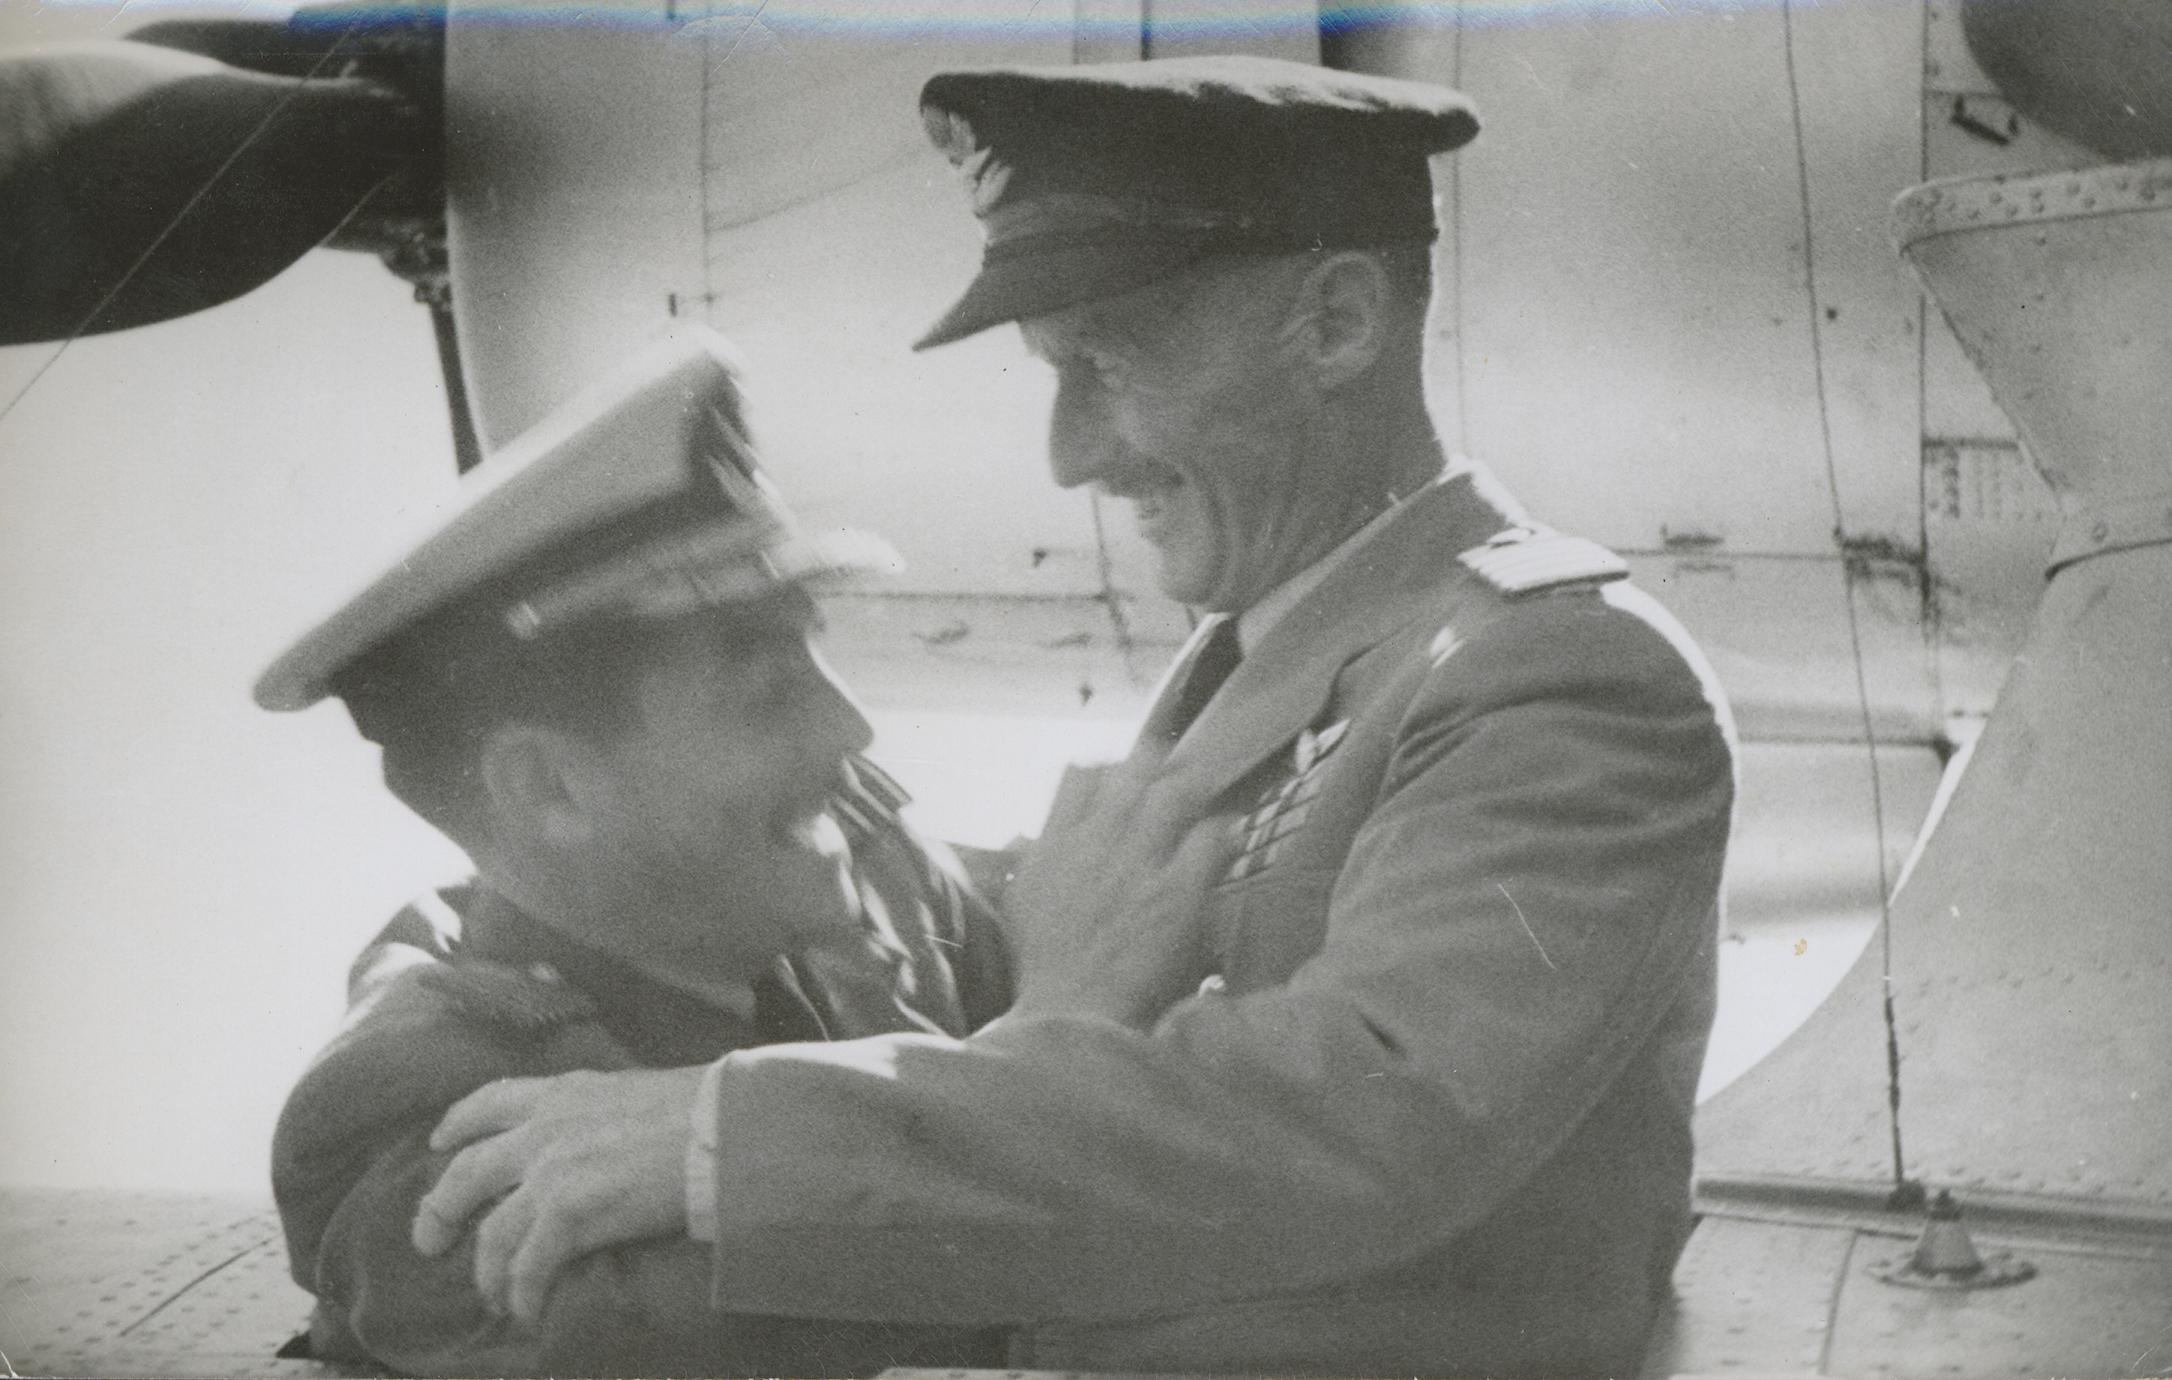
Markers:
point(1106, 912)
point(573, 1164)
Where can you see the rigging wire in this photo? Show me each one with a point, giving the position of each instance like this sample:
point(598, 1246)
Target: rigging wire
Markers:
point(202, 191)
point(1847, 589)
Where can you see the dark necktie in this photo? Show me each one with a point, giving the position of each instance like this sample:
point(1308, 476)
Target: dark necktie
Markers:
point(1218, 656)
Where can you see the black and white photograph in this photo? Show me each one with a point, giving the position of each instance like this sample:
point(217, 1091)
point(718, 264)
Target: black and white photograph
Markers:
point(1112, 688)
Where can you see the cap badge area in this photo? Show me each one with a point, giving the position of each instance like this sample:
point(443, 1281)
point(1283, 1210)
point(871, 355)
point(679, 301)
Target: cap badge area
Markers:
point(721, 563)
point(985, 178)
point(726, 561)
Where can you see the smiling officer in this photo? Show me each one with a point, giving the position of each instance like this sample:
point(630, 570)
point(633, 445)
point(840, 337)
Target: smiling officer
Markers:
point(595, 677)
point(1407, 1088)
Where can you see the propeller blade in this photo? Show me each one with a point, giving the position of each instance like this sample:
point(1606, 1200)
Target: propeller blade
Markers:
point(140, 183)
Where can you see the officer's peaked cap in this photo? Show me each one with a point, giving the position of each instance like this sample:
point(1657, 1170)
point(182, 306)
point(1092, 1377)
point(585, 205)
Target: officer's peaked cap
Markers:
point(639, 498)
point(1093, 180)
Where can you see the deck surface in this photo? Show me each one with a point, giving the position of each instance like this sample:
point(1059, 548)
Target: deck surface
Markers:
point(99, 1282)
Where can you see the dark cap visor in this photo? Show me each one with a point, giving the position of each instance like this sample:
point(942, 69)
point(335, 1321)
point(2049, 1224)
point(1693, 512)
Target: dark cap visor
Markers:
point(1041, 279)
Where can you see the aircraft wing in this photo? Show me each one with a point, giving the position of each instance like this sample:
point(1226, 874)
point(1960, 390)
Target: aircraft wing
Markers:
point(113, 1283)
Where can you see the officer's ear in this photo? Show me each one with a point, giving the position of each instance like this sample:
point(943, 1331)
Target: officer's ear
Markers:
point(1339, 320)
point(542, 786)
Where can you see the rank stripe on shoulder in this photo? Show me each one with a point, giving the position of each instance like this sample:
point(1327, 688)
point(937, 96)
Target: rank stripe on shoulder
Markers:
point(1523, 559)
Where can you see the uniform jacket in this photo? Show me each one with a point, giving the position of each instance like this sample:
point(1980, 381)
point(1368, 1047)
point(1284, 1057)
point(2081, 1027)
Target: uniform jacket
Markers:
point(463, 988)
point(1433, 1117)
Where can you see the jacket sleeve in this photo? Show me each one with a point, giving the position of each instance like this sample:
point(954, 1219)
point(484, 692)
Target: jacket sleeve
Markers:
point(1518, 917)
point(638, 1310)
point(352, 1163)
point(351, 1158)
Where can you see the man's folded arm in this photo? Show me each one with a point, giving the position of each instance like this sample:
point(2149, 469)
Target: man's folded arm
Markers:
point(641, 1309)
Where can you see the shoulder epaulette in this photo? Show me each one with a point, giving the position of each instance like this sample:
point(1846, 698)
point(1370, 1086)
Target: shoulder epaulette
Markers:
point(1523, 559)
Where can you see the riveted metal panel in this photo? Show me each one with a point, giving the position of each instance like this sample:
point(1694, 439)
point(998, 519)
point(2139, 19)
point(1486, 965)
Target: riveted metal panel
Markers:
point(107, 1283)
point(1791, 1278)
point(2027, 956)
point(1753, 1299)
point(2095, 1313)
point(1968, 127)
point(1989, 521)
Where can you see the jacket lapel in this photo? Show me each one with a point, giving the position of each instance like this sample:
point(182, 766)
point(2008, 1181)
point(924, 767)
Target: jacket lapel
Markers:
point(1281, 686)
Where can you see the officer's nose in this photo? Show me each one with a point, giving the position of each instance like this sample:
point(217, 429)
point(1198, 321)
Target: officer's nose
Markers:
point(1079, 438)
point(841, 726)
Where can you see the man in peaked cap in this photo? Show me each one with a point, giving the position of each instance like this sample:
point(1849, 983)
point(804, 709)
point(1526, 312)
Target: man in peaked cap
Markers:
point(595, 677)
point(1407, 1088)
